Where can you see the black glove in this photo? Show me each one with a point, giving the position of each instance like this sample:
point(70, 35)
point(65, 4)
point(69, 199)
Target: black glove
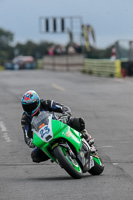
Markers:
point(66, 110)
point(64, 118)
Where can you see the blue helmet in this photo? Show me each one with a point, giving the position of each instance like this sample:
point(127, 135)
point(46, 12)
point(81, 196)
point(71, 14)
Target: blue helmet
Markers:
point(30, 102)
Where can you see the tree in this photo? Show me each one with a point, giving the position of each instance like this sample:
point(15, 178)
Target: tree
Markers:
point(6, 37)
point(37, 50)
point(6, 51)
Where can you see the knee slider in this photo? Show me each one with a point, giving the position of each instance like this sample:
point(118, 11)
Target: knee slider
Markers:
point(34, 156)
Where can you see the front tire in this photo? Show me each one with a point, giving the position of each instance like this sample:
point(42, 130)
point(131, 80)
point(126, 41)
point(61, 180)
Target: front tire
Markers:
point(70, 165)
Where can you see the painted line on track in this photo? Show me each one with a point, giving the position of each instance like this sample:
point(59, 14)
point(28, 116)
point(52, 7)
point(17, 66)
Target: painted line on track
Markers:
point(115, 164)
point(107, 146)
point(4, 132)
point(58, 87)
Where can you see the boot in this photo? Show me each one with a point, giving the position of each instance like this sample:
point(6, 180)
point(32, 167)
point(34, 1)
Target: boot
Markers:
point(90, 141)
point(87, 137)
point(93, 149)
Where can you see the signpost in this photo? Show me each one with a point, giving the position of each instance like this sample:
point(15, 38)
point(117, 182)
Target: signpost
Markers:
point(62, 25)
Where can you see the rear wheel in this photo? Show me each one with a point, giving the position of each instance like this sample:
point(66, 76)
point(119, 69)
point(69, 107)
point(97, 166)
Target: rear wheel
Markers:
point(70, 164)
point(98, 167)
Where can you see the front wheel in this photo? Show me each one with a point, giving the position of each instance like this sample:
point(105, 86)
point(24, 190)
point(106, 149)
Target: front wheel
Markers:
point(70, 165)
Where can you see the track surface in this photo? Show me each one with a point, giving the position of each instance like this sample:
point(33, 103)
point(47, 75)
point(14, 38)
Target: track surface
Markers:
point(107, 107)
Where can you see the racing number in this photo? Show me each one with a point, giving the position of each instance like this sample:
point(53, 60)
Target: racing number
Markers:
point(45, 130)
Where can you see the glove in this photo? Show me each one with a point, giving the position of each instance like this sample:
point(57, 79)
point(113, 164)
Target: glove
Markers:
point(30, 143)
point(66, 110)
point(64, 118)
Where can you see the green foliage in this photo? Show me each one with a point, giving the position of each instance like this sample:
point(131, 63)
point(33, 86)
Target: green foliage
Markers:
point(6, 37)
point(38, 50)
point(99, 53)
point(33, 49)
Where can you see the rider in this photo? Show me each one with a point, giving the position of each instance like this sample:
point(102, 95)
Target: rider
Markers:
point(32, 105)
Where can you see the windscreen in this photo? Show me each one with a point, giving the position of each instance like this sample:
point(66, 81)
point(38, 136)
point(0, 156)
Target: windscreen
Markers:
point(41, 120)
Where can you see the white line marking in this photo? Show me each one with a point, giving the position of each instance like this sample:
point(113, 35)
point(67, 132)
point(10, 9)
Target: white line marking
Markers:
point(115, 164)
point(58, 87)
point(4, 132)
point(108, 146)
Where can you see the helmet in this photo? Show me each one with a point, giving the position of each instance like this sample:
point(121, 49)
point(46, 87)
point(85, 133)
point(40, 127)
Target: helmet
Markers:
point(30, 102)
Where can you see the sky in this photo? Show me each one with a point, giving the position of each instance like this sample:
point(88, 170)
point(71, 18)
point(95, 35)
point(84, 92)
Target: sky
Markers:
point(111, 20)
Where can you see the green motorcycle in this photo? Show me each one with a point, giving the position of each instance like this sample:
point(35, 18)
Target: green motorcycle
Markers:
point(65, 146)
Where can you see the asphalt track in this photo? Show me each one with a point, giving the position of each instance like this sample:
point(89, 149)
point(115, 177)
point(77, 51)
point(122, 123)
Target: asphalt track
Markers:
point(107, 107)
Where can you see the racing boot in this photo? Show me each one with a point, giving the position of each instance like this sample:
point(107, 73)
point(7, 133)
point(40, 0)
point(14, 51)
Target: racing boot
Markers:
point(87, 137)
point(90, 141)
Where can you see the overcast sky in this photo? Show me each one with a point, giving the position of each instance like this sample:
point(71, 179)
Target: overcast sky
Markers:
point(111, 19)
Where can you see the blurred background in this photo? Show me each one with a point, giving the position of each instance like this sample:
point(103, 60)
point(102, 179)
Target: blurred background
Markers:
point(78, 53)
point(65, 35)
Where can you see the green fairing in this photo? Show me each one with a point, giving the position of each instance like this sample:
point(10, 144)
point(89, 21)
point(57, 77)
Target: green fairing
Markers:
point(60, 130)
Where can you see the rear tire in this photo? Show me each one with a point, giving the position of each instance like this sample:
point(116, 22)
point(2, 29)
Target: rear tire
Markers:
point(65, 161)
point(97, 169)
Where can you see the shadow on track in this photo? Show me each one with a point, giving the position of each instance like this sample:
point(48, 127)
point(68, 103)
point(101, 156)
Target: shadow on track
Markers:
point(61, 178)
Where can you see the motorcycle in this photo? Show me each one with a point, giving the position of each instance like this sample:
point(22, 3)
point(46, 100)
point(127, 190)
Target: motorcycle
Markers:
point(65, 146)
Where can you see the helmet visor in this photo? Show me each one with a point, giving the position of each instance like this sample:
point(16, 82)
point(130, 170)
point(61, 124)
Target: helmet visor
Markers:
point(29, 108)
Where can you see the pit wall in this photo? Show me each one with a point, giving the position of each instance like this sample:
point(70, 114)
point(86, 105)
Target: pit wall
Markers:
point(63, 62)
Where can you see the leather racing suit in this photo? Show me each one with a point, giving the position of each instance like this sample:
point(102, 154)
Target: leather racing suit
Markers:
point(49, 105)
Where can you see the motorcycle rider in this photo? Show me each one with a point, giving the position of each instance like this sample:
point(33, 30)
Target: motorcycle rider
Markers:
point(33, 105)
